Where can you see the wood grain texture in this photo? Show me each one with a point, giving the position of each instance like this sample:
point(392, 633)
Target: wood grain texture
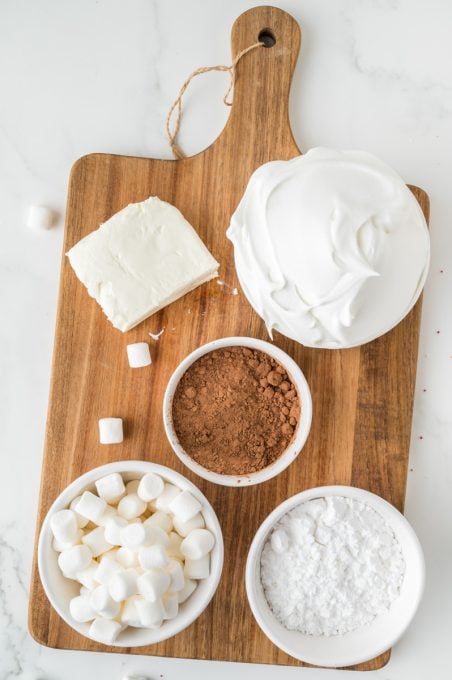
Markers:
point(362, 397)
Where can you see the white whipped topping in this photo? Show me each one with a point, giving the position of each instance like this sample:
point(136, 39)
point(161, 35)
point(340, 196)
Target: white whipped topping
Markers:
point(331, 248)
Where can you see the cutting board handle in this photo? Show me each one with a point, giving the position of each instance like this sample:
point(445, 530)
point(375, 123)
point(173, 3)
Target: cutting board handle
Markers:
point(260, 106)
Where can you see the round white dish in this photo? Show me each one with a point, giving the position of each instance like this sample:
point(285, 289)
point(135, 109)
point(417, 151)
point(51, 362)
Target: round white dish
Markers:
point(359, 645)
point(61, 590)
point(301, 434)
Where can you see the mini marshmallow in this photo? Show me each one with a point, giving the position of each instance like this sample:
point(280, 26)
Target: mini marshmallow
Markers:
point(87, 577)
point(157, 536)
point(91, 506)
point(170, 605)
point(129, 615)
point(59, 547)
point(113, 528)
point(173, 547)
point(150, 613)
point(109, 512)
point(103, 630)
point(153, 556)
point(132, 486)
point(134, 536)
point(187, 590)
point(138, 354)
point(168, 494)
point(110, 431)
point(111, 487)
point(198, 543)
point(84, 590)
point(123, 585)
point(185, 506)
point(81, 609)
point(197, 569)
point(64, 526)
point(150, 487)
point(131, 506)
point(40, 218)
point(161, 520)
point(103, 604)
point(74, 559)
point(127, 558)
point(174, 569)
point(153, 584)
point(96, 541)
point(81, 521)
point(107, 568)
point(184, 528)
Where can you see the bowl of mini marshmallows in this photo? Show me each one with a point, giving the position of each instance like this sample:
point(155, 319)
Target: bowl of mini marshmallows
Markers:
point(130, 553)
point(334, 576)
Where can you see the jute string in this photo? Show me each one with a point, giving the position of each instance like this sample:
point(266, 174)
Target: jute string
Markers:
point(177, 106)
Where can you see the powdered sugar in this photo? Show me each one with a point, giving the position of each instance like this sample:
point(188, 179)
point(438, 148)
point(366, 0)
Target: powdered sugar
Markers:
point(330, 566)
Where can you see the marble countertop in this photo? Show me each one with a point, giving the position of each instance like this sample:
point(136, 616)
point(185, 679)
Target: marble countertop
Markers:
point(100, 75)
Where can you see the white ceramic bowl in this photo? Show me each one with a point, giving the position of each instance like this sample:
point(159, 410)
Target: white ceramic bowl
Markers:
point(359, 645)
point(60, 590)
point(301, 434)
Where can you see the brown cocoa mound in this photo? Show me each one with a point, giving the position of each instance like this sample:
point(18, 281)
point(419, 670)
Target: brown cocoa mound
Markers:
point(235, 410)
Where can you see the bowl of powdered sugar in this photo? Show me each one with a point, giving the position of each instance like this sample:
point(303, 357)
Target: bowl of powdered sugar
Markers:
point(334, 576)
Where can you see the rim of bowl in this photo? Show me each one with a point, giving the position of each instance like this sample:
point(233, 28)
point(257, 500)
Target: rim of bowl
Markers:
point(139, 467)
point(301, 434)
point(254, 555)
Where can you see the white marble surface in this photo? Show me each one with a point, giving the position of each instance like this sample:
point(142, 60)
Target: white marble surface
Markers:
point(90, 75)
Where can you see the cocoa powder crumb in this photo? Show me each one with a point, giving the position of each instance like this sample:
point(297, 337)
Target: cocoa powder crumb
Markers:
point(235, 410)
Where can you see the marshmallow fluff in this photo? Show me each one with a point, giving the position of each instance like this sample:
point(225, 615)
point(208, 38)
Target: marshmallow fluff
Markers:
point(331, 248)
point(133, 566)
point(330, 566)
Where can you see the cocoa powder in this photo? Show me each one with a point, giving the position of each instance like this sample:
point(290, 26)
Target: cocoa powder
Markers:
point(235, 410)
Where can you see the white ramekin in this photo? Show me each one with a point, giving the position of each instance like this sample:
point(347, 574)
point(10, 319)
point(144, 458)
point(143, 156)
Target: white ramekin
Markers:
point(61, 590)
point(358, 645)
point(301, 434)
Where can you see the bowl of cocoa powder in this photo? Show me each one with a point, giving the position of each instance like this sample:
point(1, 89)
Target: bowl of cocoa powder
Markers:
point(237, 411)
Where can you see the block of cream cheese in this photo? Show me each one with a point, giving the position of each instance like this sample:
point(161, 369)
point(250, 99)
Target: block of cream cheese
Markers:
point(140, 260)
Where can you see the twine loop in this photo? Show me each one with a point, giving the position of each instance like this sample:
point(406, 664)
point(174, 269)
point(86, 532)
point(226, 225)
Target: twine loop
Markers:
point(177, 106)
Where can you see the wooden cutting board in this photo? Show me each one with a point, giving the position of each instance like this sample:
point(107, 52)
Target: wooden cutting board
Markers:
point(362, 397)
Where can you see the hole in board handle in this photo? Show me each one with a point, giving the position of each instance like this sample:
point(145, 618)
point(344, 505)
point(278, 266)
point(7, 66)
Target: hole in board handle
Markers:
point(267, 37)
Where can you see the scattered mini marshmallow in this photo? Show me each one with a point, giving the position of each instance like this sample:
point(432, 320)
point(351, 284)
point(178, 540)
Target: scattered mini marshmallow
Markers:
point(64, 526)
point(40, 218)
point(187, 590)
point(91, 506)
point(198, 543)
point(74, 559)
point(107, 568)
point(103, 604)
point(127, 558)
point(111, 487)
point(197, 569)
point(105, 630)
point(184, 528)
point(81, 610)
point(150, 487)
point(110, 431)
point(185, 506)
point(113, 528)
point(131, 506)
point(150, 613)
point(96, 541)
point(123, 585)
point(152, 584)
point(81, 521)
point(134, 536)
point(139, 355)
point(170, 605)
point(174, 569)
point(161, 520)
point(153, 557)
point(169, 493)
